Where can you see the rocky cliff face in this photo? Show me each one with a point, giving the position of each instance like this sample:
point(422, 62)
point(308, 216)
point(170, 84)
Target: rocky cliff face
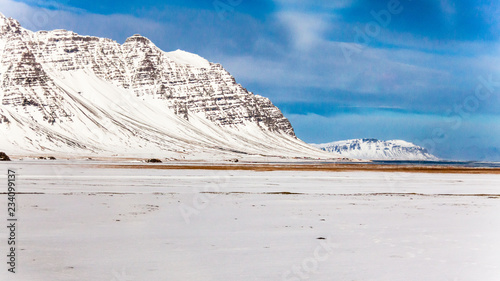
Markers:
point(137, 65)
point(55, 81)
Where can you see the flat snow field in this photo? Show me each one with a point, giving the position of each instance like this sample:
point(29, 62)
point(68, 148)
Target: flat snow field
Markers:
point(79, 222)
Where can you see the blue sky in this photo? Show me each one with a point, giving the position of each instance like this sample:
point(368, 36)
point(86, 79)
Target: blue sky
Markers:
point(423, 71)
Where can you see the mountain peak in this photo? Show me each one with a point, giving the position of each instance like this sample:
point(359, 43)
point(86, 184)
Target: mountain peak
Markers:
point(9, 25)
point(186, 58)
point(139, 39)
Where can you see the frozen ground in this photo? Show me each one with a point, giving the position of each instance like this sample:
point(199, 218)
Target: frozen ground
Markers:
point(83, 223)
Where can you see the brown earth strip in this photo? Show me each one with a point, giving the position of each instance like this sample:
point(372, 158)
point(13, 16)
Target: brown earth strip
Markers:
point(310, 167)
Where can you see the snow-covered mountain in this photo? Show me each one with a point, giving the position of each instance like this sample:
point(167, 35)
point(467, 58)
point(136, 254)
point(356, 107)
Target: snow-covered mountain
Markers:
point(68, 93)
point(373, 149)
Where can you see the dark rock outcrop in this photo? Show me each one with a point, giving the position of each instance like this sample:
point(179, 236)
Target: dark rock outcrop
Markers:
point(4, 157)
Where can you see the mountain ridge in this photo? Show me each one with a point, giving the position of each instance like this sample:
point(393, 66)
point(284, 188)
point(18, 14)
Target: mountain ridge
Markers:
point(374, 149)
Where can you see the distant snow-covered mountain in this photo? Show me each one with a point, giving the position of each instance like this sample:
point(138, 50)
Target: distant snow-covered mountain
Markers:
point(373, 149)
point(68, 93)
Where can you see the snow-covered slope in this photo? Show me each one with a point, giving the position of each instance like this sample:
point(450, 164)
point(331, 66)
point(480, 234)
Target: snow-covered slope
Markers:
point(373, 149)
point(63, 92)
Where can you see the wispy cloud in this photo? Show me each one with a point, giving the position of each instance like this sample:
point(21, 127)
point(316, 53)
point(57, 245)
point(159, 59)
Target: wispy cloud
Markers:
point(306, 30)
point(317, 5)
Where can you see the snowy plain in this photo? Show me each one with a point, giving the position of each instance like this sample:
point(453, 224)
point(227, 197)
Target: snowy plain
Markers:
point(78, 221)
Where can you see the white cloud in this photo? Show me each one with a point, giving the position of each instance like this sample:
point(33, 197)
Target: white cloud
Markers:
point(306, 30)
point(307, 21)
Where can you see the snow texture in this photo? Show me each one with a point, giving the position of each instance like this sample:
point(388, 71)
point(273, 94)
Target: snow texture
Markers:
point(79, 222)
